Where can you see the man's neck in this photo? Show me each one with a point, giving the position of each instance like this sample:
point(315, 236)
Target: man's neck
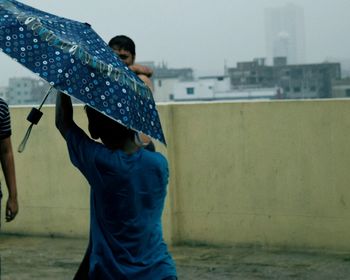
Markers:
point(130, 147)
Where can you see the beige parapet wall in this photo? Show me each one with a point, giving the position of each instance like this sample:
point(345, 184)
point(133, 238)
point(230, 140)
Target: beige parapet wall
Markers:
point(255, 173)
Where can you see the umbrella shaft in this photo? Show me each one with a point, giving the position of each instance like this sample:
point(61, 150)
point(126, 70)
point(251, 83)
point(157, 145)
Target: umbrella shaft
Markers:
point(45, 97)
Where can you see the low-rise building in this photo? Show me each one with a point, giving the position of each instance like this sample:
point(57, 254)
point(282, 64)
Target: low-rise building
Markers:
point(219, 88)
point(27, 91)
point(341, 88)
point(297, 81)
point(165, 79)
point(3, 93)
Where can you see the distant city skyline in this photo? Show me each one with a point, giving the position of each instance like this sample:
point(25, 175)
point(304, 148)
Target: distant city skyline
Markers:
point(199, 34)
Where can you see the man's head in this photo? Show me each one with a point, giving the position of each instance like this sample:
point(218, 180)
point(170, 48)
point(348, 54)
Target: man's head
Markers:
point(124, 47)
point(111, 133)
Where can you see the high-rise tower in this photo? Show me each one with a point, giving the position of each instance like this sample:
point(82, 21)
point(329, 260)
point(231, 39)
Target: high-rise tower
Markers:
point(285, 35)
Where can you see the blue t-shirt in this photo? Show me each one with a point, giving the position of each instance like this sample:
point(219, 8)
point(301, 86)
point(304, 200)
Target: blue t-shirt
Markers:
point(126, 204)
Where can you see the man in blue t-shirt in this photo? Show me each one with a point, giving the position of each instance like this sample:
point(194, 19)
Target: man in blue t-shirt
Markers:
point(128, 189)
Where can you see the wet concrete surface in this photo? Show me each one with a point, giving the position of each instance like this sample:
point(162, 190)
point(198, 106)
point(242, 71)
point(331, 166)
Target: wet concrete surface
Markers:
point(39, 258)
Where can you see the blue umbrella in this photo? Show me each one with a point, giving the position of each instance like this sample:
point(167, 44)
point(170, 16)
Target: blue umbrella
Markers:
point(75, 60)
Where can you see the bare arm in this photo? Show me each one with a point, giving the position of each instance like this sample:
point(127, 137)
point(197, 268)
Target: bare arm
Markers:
point(141, 70)
point(144, 73)
point(147, 81)
point(64, 113)
point(8, 167)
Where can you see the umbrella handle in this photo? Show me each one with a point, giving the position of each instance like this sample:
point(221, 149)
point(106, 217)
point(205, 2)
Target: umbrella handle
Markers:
point(25, 139)
point(33, 117)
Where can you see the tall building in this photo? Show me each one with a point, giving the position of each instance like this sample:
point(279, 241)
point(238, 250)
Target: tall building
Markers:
point(285, 34)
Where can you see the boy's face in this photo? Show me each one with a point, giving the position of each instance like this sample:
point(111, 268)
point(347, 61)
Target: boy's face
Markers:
point(125, 56)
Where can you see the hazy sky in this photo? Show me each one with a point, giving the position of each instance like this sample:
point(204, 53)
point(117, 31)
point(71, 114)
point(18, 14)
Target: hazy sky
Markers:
point(201, 34)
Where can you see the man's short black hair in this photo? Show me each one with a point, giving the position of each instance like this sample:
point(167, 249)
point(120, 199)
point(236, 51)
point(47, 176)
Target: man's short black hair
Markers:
point(123, 42)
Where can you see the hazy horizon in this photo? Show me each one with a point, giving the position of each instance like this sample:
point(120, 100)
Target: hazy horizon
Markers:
point(202, 35)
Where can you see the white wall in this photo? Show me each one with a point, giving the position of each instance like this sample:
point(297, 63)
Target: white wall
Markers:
point(163, 89)
point(203, 89)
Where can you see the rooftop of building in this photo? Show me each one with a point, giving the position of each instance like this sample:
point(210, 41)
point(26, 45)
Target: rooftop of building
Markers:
point(43, 258)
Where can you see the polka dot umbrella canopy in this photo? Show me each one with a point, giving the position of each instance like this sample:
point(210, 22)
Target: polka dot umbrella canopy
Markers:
point(75, 60)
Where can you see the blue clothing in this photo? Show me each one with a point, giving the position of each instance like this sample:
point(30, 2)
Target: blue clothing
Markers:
point(126, 204)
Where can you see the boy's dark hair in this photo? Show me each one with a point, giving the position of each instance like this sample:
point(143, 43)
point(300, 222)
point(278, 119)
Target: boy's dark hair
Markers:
point(111, 133)
point(123, 42)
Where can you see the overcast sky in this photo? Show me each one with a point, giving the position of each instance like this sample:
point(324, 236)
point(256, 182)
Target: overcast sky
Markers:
point(201, 34)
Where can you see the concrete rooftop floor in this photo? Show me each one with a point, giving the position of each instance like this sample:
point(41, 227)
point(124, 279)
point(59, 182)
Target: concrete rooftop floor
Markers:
point(24, 257)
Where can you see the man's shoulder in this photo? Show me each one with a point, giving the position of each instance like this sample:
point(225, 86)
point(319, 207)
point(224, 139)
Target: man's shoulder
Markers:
point(4, 111)
point(155, 157)
point(3, 104)
point(77, 137)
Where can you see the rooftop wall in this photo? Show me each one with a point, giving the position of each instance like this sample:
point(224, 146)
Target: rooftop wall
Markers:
point(254, 173)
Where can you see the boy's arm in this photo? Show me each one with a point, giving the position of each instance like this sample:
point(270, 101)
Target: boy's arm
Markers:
point(144, 73)
point(64, 113)
point(141, 70)
point(147, 81)
point(8, 167)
